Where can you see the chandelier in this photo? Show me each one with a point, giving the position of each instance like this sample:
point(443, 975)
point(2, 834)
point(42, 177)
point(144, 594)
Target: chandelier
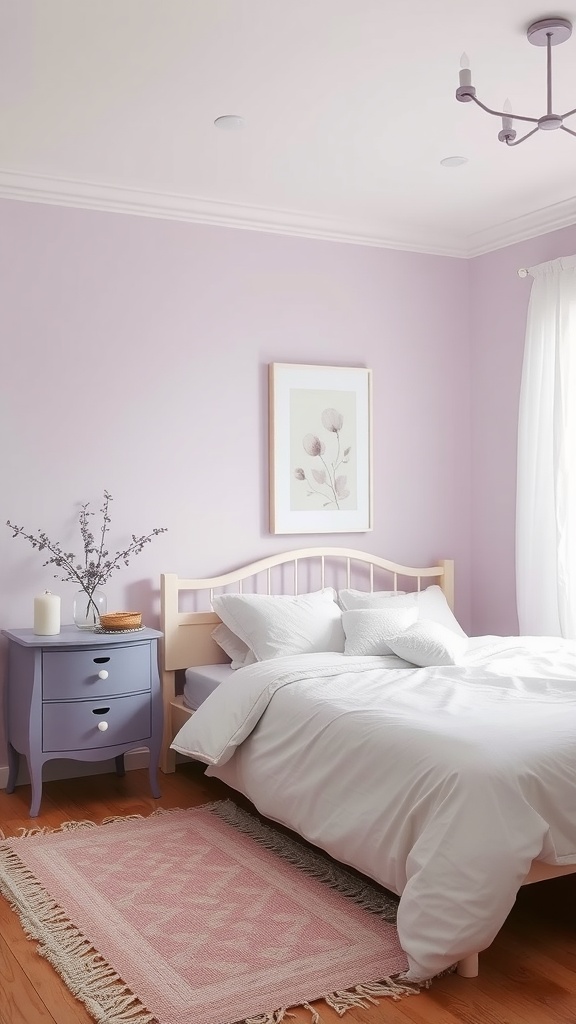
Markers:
point(548, 32)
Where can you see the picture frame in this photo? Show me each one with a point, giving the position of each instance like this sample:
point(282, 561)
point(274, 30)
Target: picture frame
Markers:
point(320, 448)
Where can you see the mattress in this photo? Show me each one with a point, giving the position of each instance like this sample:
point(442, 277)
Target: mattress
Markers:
point(201, 680)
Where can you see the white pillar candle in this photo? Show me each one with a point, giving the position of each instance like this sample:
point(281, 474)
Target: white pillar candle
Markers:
point(47, 614)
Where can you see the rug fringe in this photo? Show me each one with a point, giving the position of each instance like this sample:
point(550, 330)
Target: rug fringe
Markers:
point(316, 1018)
point(84, 971)
point(315, 865)
point(71, 826)
point(364, 995)
point(276, 1017)
point(361, 996)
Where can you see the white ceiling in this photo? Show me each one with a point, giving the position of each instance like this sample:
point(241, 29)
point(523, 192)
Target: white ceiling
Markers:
point(349, 108)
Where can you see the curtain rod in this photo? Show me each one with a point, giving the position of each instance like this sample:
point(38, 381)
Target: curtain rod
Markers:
point(560, 263)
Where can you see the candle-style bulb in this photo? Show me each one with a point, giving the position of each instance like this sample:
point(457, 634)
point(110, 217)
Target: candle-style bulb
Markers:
point(465, 73)
point(507, 121)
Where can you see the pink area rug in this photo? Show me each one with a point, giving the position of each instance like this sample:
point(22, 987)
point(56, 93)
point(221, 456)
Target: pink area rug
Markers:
point(200, 916)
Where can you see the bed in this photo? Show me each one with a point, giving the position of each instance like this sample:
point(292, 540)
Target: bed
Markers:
point(474, 757)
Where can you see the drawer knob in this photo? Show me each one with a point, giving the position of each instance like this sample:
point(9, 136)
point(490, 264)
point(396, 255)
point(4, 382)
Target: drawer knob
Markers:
point(102, 674)
point(102, 726)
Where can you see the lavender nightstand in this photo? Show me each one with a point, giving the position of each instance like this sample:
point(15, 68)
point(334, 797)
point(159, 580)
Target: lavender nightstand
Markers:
point(87, 696)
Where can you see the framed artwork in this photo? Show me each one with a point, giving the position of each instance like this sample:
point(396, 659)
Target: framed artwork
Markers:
point(320, 449)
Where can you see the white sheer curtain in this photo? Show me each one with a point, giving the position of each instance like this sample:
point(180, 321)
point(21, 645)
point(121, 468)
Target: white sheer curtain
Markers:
point(546, 488)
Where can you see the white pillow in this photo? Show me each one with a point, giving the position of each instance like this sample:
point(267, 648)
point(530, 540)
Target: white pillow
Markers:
point(276, 626)
point(238, 652)
point(363, 599)
point(367, 629)
point(428, 643)
point(431, 604)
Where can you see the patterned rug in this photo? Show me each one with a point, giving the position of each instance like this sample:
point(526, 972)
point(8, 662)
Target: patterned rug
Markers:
point(200, 916)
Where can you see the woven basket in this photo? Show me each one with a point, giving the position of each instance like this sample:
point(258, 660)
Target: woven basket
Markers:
point(121, 620)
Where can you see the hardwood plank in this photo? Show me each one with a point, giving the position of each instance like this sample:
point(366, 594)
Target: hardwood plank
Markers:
point(528, 976)
point(36, 978)
point(20, 1002)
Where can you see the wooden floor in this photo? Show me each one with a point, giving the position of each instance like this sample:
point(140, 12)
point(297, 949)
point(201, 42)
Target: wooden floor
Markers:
point(528, 976)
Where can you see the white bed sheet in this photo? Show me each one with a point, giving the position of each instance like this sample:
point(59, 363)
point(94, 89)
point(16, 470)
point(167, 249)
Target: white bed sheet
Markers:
point(201, 680)
point(443, 784)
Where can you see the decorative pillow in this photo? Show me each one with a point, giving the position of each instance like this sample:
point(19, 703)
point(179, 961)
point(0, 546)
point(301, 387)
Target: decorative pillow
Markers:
point(238, 652)
point(431, 604)
point(363, 599)
point(276, 626)
point(367, 629)
point(428, 643)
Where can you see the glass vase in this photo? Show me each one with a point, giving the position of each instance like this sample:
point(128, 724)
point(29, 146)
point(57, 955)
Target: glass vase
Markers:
point(88, 608)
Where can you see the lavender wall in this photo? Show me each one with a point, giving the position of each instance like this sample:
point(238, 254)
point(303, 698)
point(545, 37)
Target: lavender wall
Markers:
point(135, 357)
point(498, 308)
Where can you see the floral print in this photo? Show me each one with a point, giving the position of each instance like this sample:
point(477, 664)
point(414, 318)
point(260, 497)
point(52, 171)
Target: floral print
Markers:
point(325, 480)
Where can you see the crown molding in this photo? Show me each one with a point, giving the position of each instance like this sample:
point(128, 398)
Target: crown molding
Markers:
point(520, 229)
point(34, 188)
point(85, 195)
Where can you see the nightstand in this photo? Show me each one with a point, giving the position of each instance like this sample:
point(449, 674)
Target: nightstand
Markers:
point(82, 695)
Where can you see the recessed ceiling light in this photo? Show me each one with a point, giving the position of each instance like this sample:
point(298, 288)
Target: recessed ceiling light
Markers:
point(230, 122)
point(454, 161)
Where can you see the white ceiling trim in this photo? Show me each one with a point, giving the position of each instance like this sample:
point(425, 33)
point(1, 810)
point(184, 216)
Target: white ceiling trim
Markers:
point(539, 222)
point(113, 199)
point(139, 202)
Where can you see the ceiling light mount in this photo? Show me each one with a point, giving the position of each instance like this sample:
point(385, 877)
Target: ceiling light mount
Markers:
point(546, 32)
point(230, 122)
point(559, 30)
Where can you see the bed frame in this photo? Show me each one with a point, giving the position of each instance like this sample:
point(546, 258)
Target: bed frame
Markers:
point(187, 639)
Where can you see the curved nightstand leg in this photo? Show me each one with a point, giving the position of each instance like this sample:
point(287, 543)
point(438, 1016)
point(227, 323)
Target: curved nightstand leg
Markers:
point(35, 769)
point(120, 769)
point(13, 763)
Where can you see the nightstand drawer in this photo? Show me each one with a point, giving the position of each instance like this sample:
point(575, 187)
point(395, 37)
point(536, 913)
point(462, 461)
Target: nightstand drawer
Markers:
point(74, 725)
point(73, 675)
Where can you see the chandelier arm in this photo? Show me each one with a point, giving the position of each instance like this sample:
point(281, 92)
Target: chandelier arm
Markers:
point(569, 130)
point(502, 113)
point(527, 136)
point(569, 114)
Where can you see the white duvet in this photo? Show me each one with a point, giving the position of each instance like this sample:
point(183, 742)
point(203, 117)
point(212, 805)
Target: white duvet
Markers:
point(443, 784)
